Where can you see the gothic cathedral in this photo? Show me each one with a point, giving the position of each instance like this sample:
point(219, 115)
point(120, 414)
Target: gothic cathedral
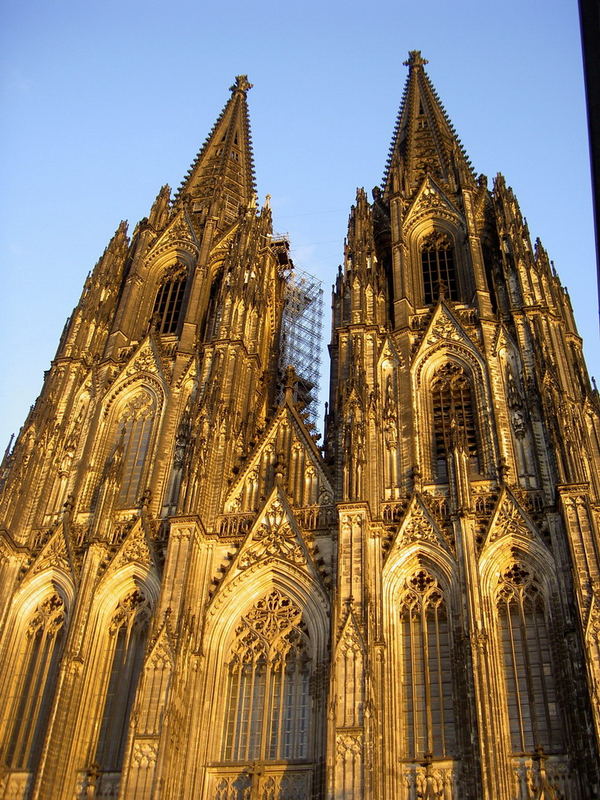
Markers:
point(200, 602)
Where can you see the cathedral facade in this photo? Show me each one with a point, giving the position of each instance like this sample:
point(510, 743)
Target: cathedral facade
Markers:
point(198, 601)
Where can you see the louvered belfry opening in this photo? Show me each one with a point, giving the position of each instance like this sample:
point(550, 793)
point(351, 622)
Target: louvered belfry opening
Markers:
point(169, 302)
point(439, 268)
point(453, 417)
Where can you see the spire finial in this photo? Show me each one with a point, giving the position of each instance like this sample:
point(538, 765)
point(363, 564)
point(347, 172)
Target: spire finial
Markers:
point(242, 84)
point(415, 59)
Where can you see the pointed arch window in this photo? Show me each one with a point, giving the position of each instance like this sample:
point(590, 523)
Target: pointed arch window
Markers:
point(134, 432)
point(268, 711)
point(35, 681)
point(529, 670)
point(453, 417)
point(169, 301)
point(127, 637)
point(214, 312)
point(439, 268)
point(427, 682)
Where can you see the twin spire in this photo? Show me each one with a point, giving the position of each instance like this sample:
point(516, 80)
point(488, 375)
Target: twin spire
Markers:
point(224, 166)
point(424, 143)
point(424, 140)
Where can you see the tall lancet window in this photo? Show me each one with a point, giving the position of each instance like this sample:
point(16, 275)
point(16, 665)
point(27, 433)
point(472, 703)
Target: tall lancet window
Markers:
point(529, 672)
point(453, 417)
point(427, 690)
point(439, 268)
point(34, 682)
point(133, 439)
point(268, 710)
point(126, 640)
point(169, 301)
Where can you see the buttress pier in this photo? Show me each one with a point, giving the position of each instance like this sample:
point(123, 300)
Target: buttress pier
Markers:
point(200, 602)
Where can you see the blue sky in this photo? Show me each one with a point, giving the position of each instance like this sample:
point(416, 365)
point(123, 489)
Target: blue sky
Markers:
point(103, 102)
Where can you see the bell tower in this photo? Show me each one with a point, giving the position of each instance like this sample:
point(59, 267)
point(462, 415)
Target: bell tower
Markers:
point(467, 538)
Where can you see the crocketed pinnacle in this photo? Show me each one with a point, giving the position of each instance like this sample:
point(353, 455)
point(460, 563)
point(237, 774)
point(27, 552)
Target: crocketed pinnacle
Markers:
point(424, 140)
point(224, 166)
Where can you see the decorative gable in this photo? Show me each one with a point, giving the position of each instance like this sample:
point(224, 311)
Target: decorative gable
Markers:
point(445, 329)
point(274, 537)
point(286, 431)
point(146, 359)
point(178, 236)
point(53, 555)
point(430, 201)
point(417, 526)
point(510, 520)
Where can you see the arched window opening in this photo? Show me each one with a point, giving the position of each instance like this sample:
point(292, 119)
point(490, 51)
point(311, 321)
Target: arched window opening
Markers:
point(127, 637)
point(214, 312)
point(35, 681)
point(489, 267)
point(453, 418)
point(268, 712)
point(439, 268)
point(169, 302)
point(529, 674)
point(427, 690)
point(134, 431)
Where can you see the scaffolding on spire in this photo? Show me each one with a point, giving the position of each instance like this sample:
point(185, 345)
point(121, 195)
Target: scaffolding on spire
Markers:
point(300, 343)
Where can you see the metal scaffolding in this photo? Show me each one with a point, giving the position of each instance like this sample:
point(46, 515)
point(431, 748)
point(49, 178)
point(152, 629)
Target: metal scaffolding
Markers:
point(300, 344)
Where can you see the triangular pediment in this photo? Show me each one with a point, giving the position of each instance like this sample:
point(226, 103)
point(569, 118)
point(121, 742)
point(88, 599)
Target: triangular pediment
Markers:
point(503, 339)
point(274, 537)
point(300, 437)
point(350, 634)
point(431, 201)
point(135, 548)
point(146, 358)
point(178, 235)
point(389, 353)
point(510, 521)
point(53, 555)
point(161, 653)
point(444, 327)
point(418, 526)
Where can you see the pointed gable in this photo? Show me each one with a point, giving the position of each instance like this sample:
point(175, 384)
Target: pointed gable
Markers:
point(350, 635)
point(511, 521)
point(274, 537)
point(444, 327)
point(135, 549)
point(267, 453)
point(54, 554)
point(431, 200)
point(178, 237)
point(161, 652)
point(418, 526)
point(146, 358)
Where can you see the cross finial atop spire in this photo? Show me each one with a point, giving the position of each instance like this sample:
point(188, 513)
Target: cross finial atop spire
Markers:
point(415, 59)
point(242, 84)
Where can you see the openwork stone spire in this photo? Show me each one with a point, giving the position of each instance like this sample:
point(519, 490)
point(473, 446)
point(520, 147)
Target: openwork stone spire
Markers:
point(224, 167)
point(424, 140)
